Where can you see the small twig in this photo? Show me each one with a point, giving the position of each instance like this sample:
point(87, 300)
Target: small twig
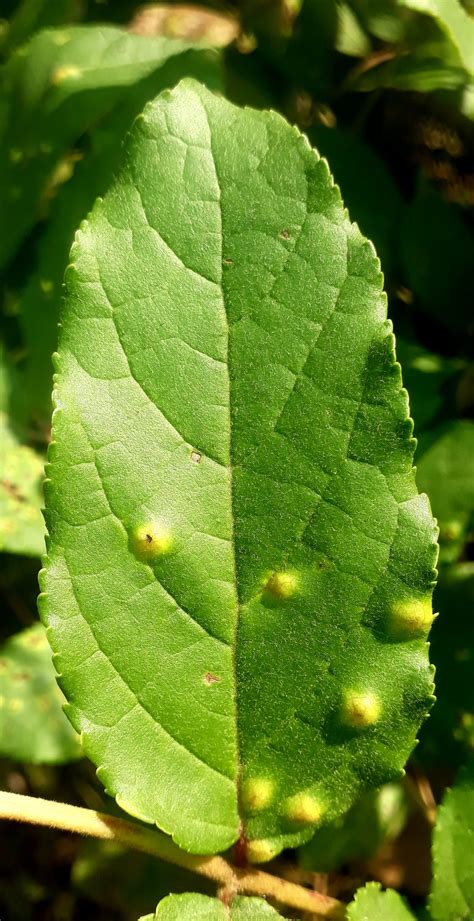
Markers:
point(99, 825)
point(420, 789)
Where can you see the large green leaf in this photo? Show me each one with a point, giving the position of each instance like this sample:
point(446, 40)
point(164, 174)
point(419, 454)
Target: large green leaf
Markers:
point(192, 907)
point(33, 727)
point(41, 298)
point(54, 89)
point(372, 904)
point(240, 568)
point(21, 495)
point(452, 894)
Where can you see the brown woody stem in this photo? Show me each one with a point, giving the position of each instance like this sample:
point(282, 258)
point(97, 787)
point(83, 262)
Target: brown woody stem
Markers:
point(247, 880)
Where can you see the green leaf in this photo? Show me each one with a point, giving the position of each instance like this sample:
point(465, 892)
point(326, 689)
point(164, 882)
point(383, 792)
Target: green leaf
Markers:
point(192, 907)
point(31, 15)
point(40, 300)
point(372, 904)
point(452, 893)
point(448, 736)
point(377, 817)
point(445, 470)
point(231, 477)
point(21, 495)
point(33, 727)
point(54, 89)
point(456, 24)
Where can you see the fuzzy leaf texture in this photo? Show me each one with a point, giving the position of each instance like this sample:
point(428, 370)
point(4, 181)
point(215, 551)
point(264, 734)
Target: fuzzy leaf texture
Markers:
point(452, 893)
point(373, 904)
point(239, 580)
point(194, 907)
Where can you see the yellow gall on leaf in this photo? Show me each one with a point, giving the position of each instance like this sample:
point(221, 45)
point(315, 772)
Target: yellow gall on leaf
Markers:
point(412, 618)
point(151, 541)
point(257, 793)
point(68, 72)
point(361, 709)
point(262, 850)
point(281, 585)
point(304, 809)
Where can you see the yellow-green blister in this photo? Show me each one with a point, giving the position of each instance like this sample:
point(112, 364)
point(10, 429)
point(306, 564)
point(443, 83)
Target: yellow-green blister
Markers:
point(151, 541)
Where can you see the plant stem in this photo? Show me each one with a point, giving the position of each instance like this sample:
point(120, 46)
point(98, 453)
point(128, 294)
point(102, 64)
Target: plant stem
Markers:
point(99, 825)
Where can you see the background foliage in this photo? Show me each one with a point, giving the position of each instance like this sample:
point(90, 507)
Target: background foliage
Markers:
point(385, 90)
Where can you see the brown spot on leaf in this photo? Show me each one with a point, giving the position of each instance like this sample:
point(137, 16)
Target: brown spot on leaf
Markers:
point(209, 678)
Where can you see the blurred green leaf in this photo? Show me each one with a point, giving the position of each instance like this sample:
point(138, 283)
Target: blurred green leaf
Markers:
point(376, 818)
point(128, 882)
point(373, 904)
point(54, 89)
point(41, 299)
point(456, 24)
point(351, 38)
point(21, 498)
point(452, 893)
point(32, 15)
point(445, 471)
point(192, 907)
point(431, 381)
point(449, 733)
point(33, 727)
point(437, 254)
point(365, 182)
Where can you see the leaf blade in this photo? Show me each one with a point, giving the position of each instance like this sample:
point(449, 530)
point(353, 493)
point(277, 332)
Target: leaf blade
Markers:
point(289, 286)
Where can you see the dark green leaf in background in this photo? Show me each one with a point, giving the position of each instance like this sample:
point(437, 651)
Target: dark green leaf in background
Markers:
point(54, 89)
point(452, 894)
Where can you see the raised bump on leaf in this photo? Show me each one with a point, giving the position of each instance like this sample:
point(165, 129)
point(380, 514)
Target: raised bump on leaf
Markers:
point(257, 793)
point(412, 617)
point(303, 808)
point(360, 709)
point(151, 540)
point(261, 850)
point(281, 585)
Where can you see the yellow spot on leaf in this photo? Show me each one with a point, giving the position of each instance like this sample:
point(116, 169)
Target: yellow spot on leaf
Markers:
point(282, 585)
point(261, 850)
point(303, 808)
point(46, 285)
point(257, 793)
point(412, 618)
point(68, 72)
point(361, 709)
point(15, 704)
point(151, 541)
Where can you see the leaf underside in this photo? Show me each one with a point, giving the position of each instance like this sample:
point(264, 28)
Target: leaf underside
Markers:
point(240, 569)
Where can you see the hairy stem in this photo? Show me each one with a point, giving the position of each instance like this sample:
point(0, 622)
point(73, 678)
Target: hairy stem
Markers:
point(99, 825)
